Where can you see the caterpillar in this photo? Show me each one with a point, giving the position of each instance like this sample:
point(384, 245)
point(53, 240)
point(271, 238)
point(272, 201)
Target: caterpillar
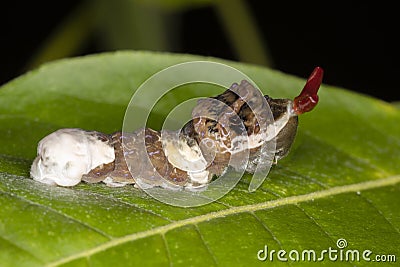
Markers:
point(190, 158)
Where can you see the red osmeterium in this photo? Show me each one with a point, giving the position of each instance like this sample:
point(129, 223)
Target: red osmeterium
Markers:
point(308, 97)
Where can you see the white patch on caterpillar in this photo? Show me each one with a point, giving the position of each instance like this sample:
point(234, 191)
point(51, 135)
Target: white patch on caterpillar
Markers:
point(180, 154)
point(243, 142)
point(185, 157)
point(200, 177)
point(109, 181)
point(65, 155)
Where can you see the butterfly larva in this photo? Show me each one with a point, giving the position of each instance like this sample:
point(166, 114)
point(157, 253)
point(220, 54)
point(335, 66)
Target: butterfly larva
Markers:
point(189, 158)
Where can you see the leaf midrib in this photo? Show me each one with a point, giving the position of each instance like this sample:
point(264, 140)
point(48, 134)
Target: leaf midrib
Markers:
point(391, 180)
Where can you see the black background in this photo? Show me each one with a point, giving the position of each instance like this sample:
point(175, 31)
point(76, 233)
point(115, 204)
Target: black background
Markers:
point(355, 42)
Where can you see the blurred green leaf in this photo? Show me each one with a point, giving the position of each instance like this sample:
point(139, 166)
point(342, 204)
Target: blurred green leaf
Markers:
point(341, 179)
point(243, 32)
point(175, 4)
point(68, 38)
point(124, 24)
point(147, 25)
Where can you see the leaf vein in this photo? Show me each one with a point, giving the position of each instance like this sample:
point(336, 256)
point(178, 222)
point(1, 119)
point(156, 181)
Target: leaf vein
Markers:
point(269, 231)
point(306, 177)
point(167, 249)
point(231, 211)
point(21, 248)
point(59, 213)
point(205, 244)
point(130, 205)
point(370, 202)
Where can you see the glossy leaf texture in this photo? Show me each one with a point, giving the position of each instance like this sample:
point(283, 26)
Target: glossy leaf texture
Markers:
point(341, 179)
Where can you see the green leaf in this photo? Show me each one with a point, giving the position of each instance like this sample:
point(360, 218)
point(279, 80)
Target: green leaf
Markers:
point(176, 4)
point(340, 180)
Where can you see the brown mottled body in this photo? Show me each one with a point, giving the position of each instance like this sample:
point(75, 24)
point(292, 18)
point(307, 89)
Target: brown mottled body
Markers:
point(218, 123)
point(116, 170)
point(200, 127)
point(159, 173)
point(285, 137)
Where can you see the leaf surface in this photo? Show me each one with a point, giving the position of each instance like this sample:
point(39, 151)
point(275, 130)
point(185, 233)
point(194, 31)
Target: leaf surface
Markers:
point(340, 180)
